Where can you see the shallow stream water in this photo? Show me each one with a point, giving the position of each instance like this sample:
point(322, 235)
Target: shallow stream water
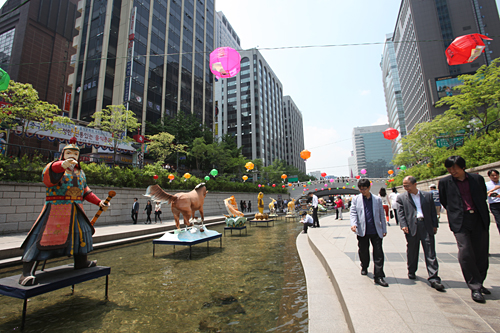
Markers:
point(253, 283)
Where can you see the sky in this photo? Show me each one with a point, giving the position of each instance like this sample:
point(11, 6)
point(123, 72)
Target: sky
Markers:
point(336, 88)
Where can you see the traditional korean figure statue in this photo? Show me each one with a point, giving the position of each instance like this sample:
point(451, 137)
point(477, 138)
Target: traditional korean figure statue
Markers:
point(62, 228)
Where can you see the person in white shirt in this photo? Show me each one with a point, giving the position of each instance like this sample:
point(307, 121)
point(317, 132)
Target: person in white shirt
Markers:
point(307, 220)
point(314, 204)
point(393, 204)
point(158, 211)
point(418, 220)
point(385, 202)
point(493, 188)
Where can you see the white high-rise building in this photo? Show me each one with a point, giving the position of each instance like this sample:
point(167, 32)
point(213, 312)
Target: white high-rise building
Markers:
point(294, 134)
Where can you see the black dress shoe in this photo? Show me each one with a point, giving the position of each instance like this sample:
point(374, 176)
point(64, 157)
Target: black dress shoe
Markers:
point(437, 285)
point(412, 276)
point(380, 281)
point(485, 291)
point(364, 271)
point(477, 296)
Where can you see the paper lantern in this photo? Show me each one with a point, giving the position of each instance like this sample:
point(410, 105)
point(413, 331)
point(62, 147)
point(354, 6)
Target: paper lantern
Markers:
point(390, 133)
point(323, 174)
point(329, 189)
point(214, 172)
point(245, 177)
point(171, 177)
point(274, 185)
point(309, 183)
point(249, 166)
point(259, 185)
point(358, 176)
point(305, 154)
point(326, 185)
point(283, 186)
point(390, 172)
point(207, 178)
point(225, 62)
point(343, 187)
point(315, 189)
point(187, 176)
point(347, 183)
point(155, 176)
point(304, 185)
point(331, 180)
point(465, 49)
point(283, 176)
point(4, 80)
point(293, 189)
point(403, 167)
point(289, 184)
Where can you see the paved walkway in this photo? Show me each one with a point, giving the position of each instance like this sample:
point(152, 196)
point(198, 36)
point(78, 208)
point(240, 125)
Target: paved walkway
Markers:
point(406, 305)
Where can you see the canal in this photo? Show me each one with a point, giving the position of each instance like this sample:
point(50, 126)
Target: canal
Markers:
point(255, 283)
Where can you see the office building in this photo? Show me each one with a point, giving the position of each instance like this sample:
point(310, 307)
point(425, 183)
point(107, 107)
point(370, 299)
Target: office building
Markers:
point(294, 134)
point(152, 55)
point(423, 31)
point(35, 45)
point(225, 34)
point(372, 151)
point(392, 92)
point(250, 107)
point(351, 162)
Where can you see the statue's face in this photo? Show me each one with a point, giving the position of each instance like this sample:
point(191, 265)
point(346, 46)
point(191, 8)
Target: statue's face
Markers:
point(71, 154)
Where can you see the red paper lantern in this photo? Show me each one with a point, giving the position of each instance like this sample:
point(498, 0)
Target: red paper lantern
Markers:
point(323, 174)
point(465, 49)
point(155, 176)
point(274, 185)
point(283, 186)
point(315, 189)
point(390, 133)
point(358, 176)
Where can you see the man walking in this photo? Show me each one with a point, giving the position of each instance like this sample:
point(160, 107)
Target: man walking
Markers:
point(368, 222)
point(418, 220)
point(463, 195)
point(314, 204)
point(435, 197)
point(493, 187)
point(135, 210)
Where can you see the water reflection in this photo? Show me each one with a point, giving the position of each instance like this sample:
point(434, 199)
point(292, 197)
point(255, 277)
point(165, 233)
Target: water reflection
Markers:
point(255, 283)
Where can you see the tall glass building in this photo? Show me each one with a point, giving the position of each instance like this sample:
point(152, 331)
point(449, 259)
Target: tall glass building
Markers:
point(392, 92)
point(372, 151)
point(151, 55)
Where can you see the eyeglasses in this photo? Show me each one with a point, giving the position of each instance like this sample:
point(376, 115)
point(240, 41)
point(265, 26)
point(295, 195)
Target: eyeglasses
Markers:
point(363, 188)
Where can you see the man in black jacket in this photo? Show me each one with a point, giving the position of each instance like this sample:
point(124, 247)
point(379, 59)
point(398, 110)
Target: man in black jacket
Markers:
point(464, 197)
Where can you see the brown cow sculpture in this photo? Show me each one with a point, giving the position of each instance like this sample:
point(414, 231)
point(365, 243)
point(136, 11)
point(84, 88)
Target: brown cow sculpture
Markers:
point(185, 203)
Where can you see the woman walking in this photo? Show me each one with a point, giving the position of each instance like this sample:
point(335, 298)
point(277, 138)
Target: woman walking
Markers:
point(340, 206)
point(385, 202)
point(158, 211)
point(148, 209)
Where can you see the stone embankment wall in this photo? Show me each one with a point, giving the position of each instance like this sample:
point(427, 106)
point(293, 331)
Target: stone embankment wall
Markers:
point(21, 203)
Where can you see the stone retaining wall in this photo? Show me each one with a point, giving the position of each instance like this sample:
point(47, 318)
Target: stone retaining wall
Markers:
point(21, 203)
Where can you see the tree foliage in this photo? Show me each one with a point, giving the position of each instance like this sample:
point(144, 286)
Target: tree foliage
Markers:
point(28, 112)
point(162, 145)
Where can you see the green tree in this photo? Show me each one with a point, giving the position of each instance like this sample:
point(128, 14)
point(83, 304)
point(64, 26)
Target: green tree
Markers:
point(198, 151)
point(28, 112)
point(162, 145)
point(116, 120)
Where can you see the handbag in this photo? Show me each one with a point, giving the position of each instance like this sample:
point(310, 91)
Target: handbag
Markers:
point(392, 214)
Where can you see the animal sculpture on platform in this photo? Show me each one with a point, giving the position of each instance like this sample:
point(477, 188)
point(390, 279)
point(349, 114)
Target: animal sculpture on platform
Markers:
point(261, 216)
point(272, 207)
point(291, 207)
point(181, 203)
point(235, 217)
point(260, 202)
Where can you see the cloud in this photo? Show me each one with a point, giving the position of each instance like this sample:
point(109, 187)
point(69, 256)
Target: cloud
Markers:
point(381, 120)
point(329, 150)
point(365, 92)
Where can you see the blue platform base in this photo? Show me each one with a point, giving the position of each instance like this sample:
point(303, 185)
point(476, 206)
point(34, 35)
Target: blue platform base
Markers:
point(257, 222)
point(235, 228)
point(49, 280)
point(187, 242)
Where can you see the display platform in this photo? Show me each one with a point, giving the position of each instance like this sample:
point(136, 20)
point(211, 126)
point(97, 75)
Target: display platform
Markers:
point(49, 280)
point(293, 217)
point(236, 228)
point(257, 222)
point(188, 237)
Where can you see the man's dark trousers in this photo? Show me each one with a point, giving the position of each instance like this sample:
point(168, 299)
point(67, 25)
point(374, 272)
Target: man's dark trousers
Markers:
point(315, 217)
point(134, 216)
point(473, 244)
point(495, 210)
point(429, 247)
point(306, 225)
point(378, 253)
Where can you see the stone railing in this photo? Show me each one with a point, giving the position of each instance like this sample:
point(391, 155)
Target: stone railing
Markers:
point(21, 204)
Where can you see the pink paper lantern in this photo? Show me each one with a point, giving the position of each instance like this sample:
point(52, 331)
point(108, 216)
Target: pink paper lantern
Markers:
point(331, 180)
point(260, 185)
point(326, 185)
point(225, 62)
point(363, 171)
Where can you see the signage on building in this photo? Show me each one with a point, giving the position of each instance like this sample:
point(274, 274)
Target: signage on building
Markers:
point(67, 101)
point(130, 54)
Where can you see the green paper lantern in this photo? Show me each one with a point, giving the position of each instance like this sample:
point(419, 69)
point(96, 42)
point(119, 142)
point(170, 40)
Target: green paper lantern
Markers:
point(347, 183)
point(4, 80)
point(207, 178)
point(308, 183)
point(214, 172)
point(403, 167)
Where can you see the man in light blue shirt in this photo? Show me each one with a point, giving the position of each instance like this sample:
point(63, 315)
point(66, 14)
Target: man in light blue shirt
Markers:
point(493, 188)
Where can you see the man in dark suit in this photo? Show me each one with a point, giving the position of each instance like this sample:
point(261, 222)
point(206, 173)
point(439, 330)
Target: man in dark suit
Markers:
point(135, 210)
point(418, 220)
point(464, 197)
